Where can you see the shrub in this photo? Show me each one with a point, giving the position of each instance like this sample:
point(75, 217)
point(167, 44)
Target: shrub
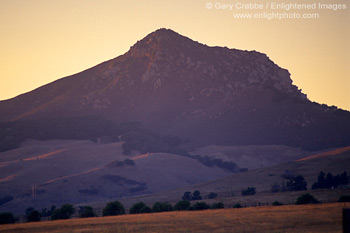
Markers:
point(248, 191)
point(237, 205)
point(217, 205)
point(140, 208)
point(86, 212)
point(212, 195)
point(345, 198)
point(200, 206)
point(6, 218)
point(297, 184)
point(182, 205)
point(187, 196)
point(33, 216)
point(196, 195)
point(162, 207)
point(306, 198)
point(113, 208)
point(64, 212)
point(277, 203)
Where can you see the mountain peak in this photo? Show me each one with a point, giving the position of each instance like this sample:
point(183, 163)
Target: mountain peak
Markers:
point(161, 40)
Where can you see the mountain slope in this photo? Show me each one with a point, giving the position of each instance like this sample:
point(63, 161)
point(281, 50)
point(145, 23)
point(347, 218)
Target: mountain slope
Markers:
point(210, 95)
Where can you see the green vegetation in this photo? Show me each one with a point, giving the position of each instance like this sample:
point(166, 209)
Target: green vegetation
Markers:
point(217, 205)
point(182, 205)
point(86, 212)
point(277, 203)
point(140, 208)
point(238, 205)
point(64, 212)
point(192, 197)
point(199, 206)
point(329, 181)
point(47, 213)
point(113, 208)
point(6, 218)
point(248, 191)
point(306, 198)
point(212, 195)
point(162, 207)
point(297, 184)
point(32, 215)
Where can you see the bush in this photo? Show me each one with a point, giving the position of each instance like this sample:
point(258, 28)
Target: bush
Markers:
point(277, 203)
point(248, 191)
point(200, 206)
point(187, 196)
point(212, 195)
point(217, 205)
point(86, 212)
point(6, 218)
point(182, 205)
point(196, 195)
point(345, 198)
point(32, 215)
point(237, 205)
point(297, 184)
point(162, 207)
point(113, 208)
point(140, 208)
point(306, 198)
point(64, 212)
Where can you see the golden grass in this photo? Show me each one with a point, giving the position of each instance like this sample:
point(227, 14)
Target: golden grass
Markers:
point(292, 218)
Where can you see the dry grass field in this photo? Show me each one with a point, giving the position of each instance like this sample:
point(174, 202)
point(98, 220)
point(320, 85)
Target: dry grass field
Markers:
point(292, 218)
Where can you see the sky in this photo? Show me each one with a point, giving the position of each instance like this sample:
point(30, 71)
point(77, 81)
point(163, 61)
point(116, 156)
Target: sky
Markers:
point(44, 40)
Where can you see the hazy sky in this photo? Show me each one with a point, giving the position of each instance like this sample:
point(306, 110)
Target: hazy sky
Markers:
point(44, 40)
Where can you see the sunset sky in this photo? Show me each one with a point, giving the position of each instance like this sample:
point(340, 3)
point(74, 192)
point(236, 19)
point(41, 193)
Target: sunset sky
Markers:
point(44, 40)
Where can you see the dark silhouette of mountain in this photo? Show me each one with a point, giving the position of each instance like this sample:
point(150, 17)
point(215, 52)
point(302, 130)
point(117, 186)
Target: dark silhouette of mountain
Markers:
point(176, 86)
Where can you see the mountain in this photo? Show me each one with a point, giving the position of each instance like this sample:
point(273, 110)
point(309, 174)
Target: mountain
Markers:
point(173, 85)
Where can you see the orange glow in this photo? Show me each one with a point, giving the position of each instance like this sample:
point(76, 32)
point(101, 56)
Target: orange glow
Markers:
point(42, 41)
point(326, 154)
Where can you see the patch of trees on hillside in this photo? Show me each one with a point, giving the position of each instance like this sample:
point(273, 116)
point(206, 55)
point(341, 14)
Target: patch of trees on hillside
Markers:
point(329, 181)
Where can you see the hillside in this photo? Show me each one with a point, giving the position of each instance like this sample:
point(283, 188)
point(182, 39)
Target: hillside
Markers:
point(82, 171)
point(289, 219)
point(175, 86)
point(229, 188)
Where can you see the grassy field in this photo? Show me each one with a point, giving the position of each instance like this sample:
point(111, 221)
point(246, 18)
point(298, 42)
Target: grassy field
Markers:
point(291, 218)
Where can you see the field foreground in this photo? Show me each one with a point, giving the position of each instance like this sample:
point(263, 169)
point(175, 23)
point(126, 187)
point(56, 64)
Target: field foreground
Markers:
point(291, 218)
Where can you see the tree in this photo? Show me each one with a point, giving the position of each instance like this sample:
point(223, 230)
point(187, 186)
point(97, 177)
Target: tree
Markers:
point(47, 213)
point(86, 212)
point(248, 191)
point(217, 205)
point(6, 218)
point(64, 212)
point(238, 205)
point(212, 195)
point(297, 184)
point(306, 198)
point(162, 207)
point(32, 215)
point(187, 196)
point(113, 208)
point(200, 206)
point(196, 195)
point(277, 203)
point(182, 205)
point(140, 208)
